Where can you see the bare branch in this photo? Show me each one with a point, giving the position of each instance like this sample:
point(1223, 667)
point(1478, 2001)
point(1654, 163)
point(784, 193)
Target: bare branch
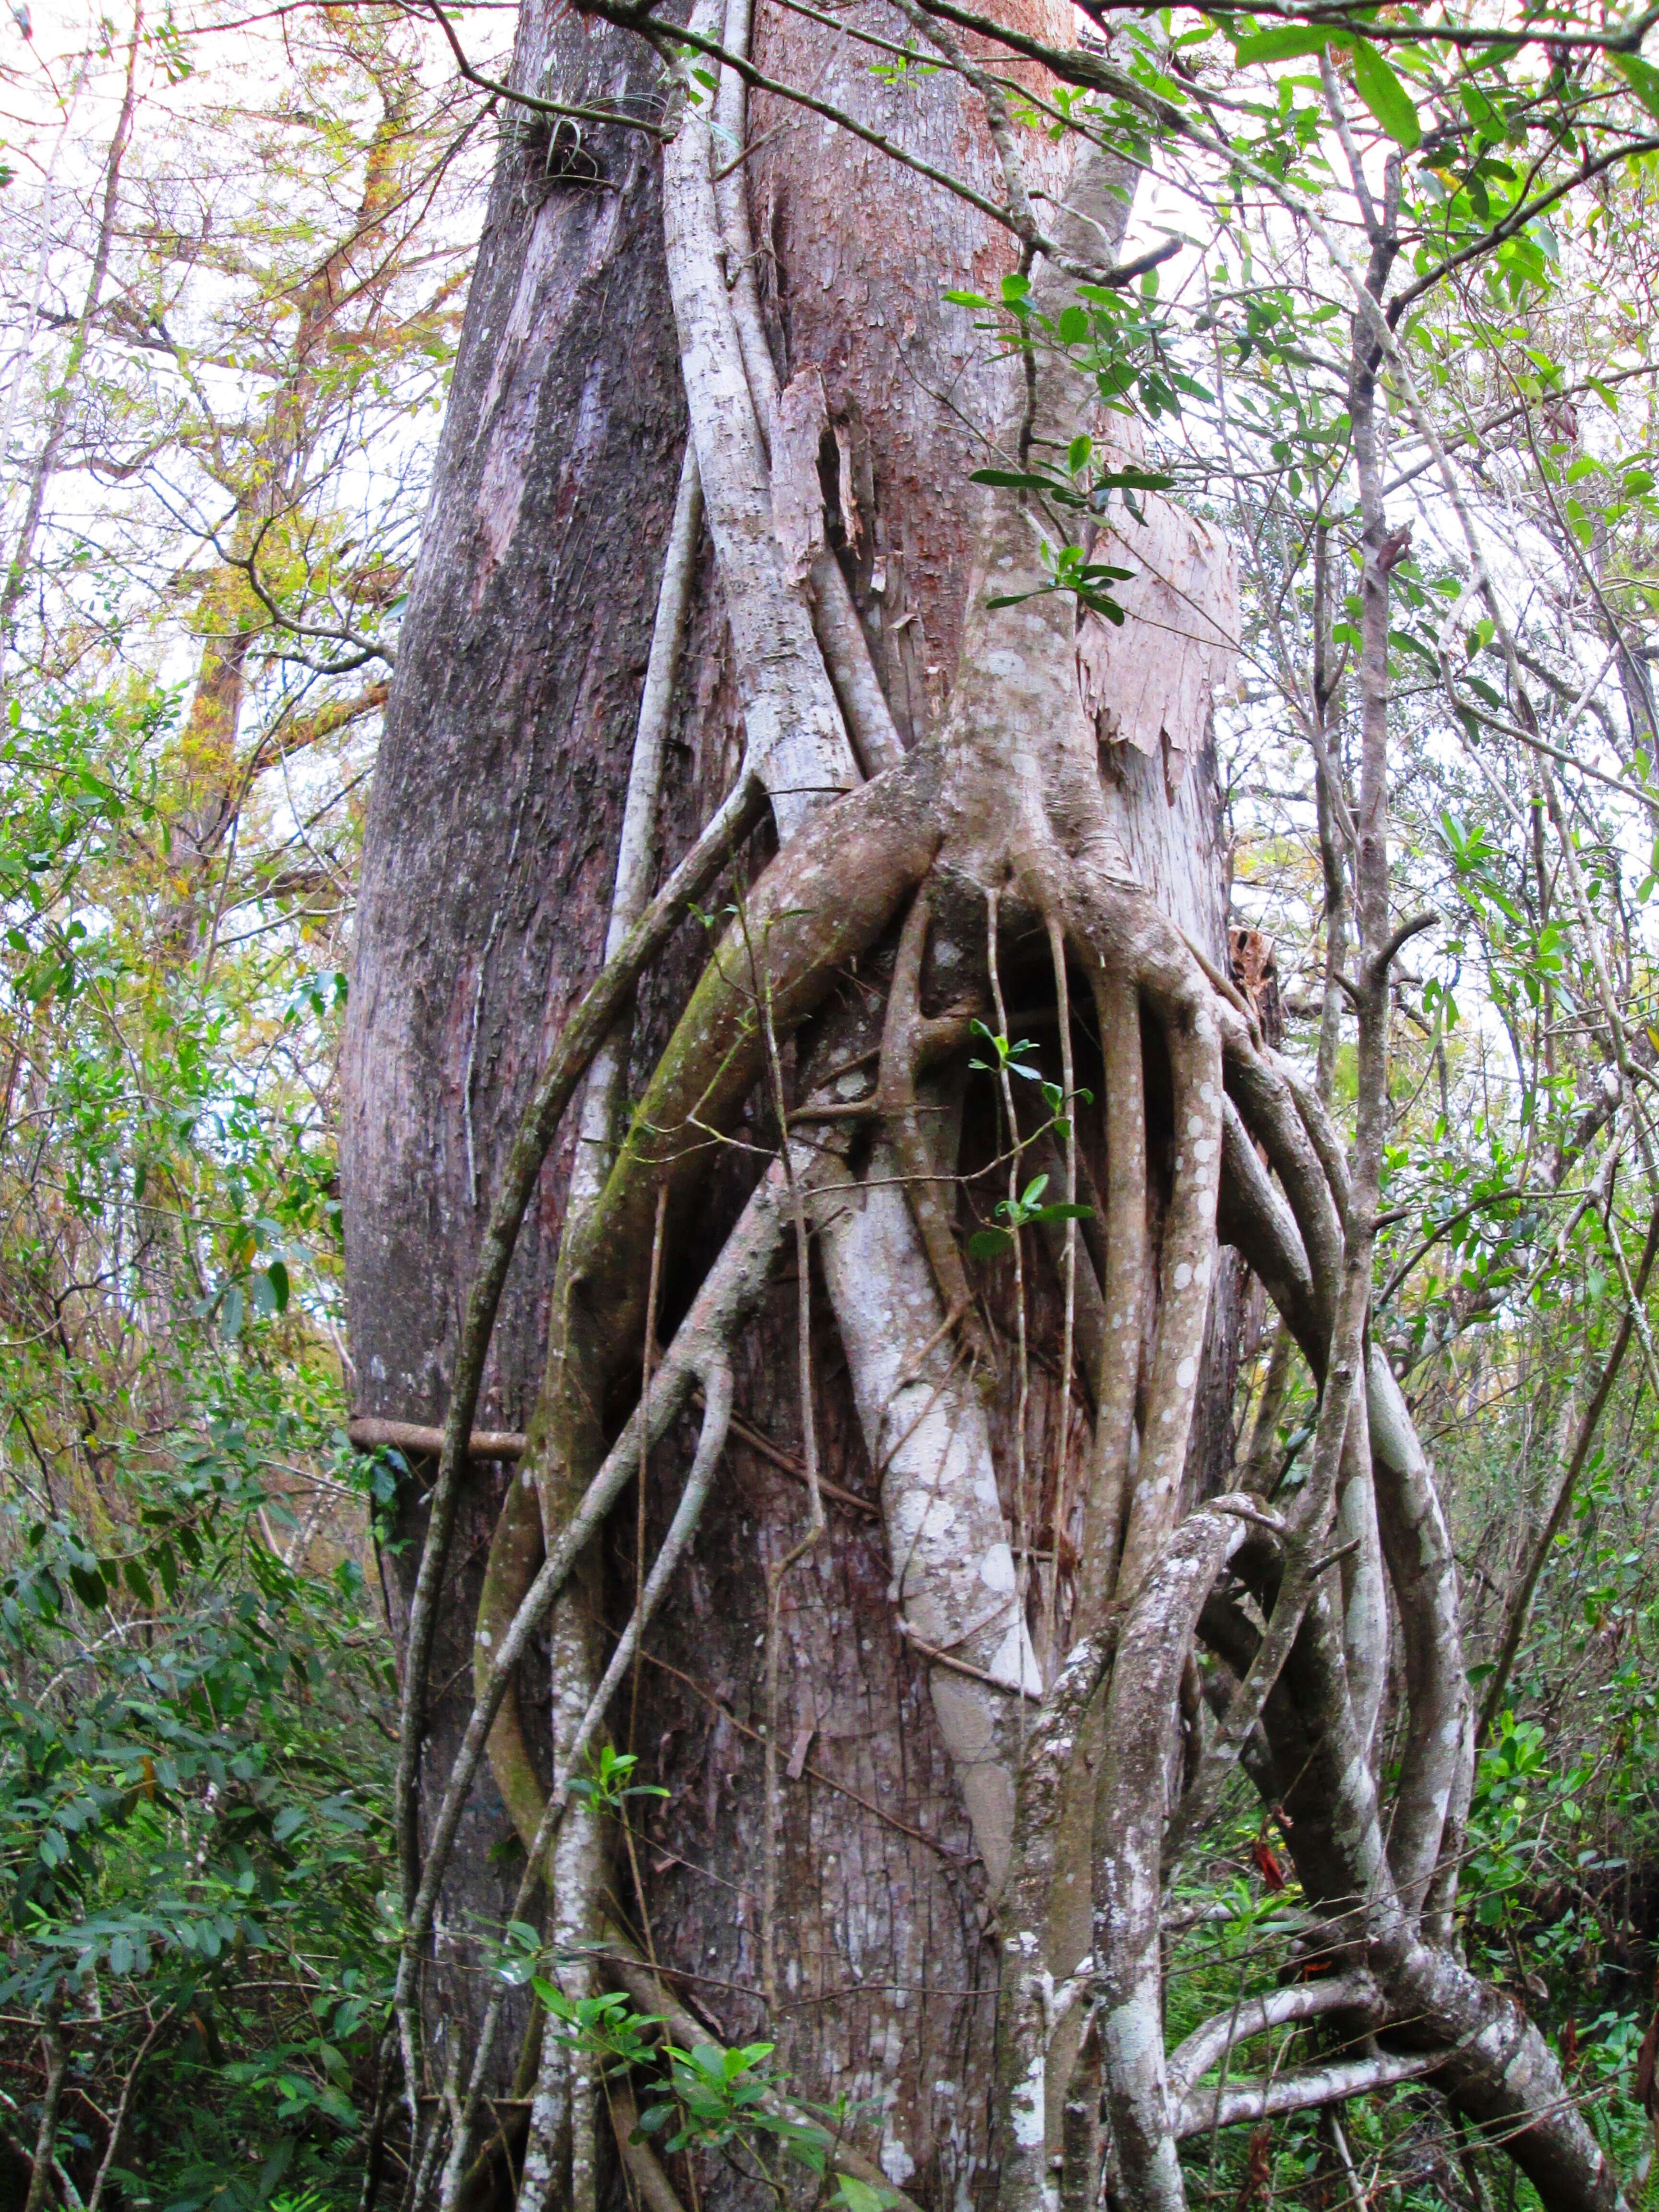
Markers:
point(1205, 2110)
point(1190, 2059)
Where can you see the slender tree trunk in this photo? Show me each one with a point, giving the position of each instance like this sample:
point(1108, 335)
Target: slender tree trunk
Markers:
point(56, 2046)
point(57, 422)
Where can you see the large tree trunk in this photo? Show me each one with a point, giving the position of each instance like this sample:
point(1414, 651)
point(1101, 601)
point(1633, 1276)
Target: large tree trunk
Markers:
point(492, 834)
point(496, 805)
point(920, 1759)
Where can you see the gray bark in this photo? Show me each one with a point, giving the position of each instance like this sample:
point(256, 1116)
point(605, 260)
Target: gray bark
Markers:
point(491, 839)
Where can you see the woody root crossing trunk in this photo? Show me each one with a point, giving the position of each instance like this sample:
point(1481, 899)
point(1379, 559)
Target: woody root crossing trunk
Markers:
point(997, 844)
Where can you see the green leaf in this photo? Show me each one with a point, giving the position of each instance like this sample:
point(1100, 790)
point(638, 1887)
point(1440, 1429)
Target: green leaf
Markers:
point(1132, 480)
point(1014, 480)
point(854, 2196)
point(1386, 97)
point(1643, 79)
point(1025, 480)
point(1481, 111)
point(988, 1243)
point(88, 1584)
point(1286, 45)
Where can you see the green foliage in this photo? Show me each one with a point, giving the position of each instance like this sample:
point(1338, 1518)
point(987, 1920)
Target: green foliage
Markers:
point(713, 2097)
point(604, 2027)
point(608, 1784)
point(192, 1781)
point(1027, 1211)
point(191, 1812)
point(194, 1669)
point(1011, 1058)
point(1386, 96)
point(710, 2098)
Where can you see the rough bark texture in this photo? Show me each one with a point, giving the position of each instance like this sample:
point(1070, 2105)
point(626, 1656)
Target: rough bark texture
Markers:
point(909, 390)
point(493, 827)
point(497, 800)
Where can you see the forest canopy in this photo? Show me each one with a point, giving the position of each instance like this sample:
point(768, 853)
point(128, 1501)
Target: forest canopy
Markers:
point(1059, 848)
